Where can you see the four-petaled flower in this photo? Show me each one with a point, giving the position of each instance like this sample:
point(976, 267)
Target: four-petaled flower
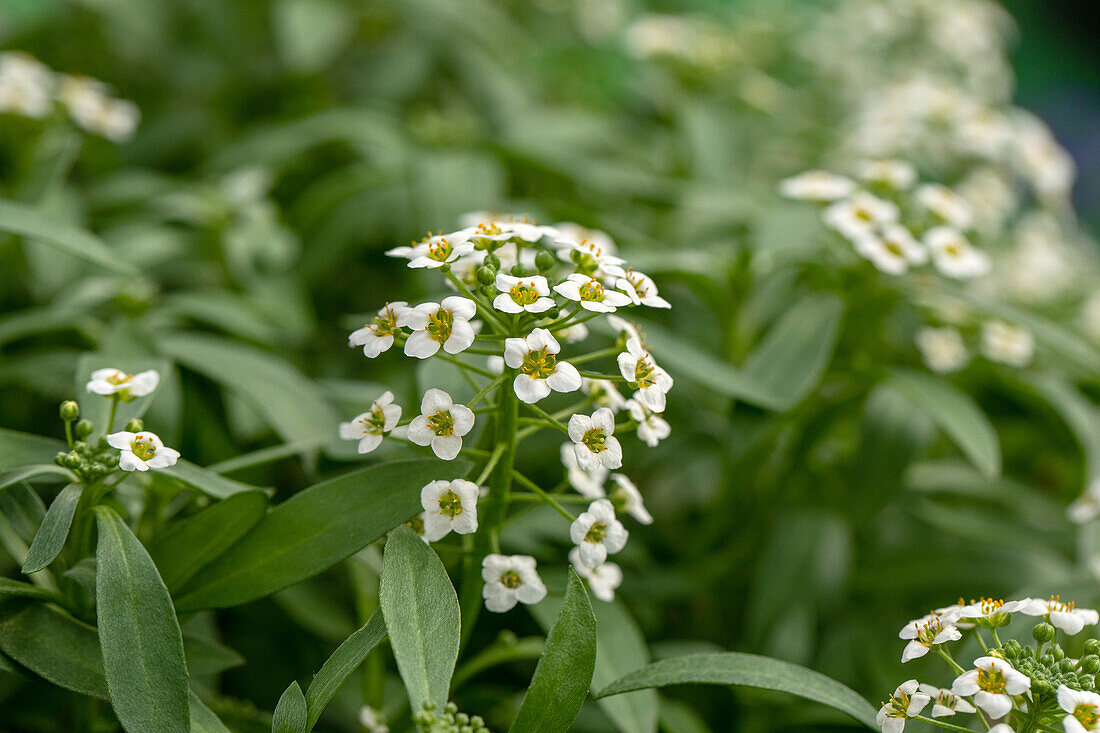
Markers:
point(602, 579)
point(377, 336)
point(597, 533)
point(860, 215)
point(519, 294)
point(593, 441)
point(1062, 615)
point(944, 703)
point(126, 386)
point(539, 369)
point(954, 256)
point(441, 424)
point(434, 252)
point(641, 372)
point(141, 451)
point(652, 428)
point(641, 289)
point(625, 497)
point(816, 186)
point(588, 483)
point(1083, 708)
point(449, 506)
point(369, 427)
point(924, 633)
point(906, 702)
point(510, 579)
point(992, 683)
point(445, 324)
point(893, 250)
point(944, 204)
point(591, 294)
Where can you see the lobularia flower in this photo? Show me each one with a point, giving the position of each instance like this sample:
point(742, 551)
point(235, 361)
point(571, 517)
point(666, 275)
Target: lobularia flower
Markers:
point(602, 579)
point(954, 256)
point(597, 533)
point(650, 381)
point(590, 257)
point(894, 174)
point(369, 427)
point(571, 234)
point(893, 250)
point(604, 393)
point(994, 612)
point(573, 334)
point(510, 579)
point(625, 497)
point(641, 289)
point(945, 704)
point(587, 483)
point(1007, 344)
point(441, 424)
point(860, 215)
point(816, 186)
point(943, 349)
point(372, 721)
point(906, 702)
point(992, 682)
point(591, 294)
point(449, 506)
point(539, 369)
point(946, 205)
point(924, 633)
point(127, 386)
point(652, 428)
point(416, 524)
point(445, 324)
point(141, 451)
point(94, 110)
point(1082, 708)
point(519, 294)
point(434, 252)
point(26, 85)
point(1062, 615)
point(377, 336)
point(624, 327)
point(505, 229)
point(594, 443)
point(1086, 507)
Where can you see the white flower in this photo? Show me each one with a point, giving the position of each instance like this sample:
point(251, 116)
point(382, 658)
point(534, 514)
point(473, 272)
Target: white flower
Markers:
point(945, 205)
point(816, 186)
point(944, 703)
point(372, 720)
point(1083, 707)
point(1064, 616)
point(26, 85)
point(591, 294)
point(126, 386)
point(602, 579)
point(650, 381)
point(1002, 728)
point(441, 424)
point(449, 505)
point(593, 441)
point(1007, 344)
point(859, 215)
point(652, 428)
point(954, 256)
point(369, 427)
point(994, 611)
point(625, 497)
point(510, 579)
point(906, 702)
point(519, 294)
point(590, 256)
point(572, 233)
point(624, 327)
point(1086, 507)
point(573, 334)
point(93, 109)
point(434, 252)
point(445, 324)
point(505, 229)
point(141, 451)
point(539, 368)
point(942, 348)
point(597, 532)
point(924, 633)
point(604, 393)
point(587, 483)
point(893, 174)
point(893, 250)
point(992, 682)
point(641, 289)
point(377, 336)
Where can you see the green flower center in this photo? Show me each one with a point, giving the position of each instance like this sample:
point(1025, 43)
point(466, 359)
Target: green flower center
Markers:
point(440, 251)
point(897, 706)
point(1087, 715)
point(638, 283)
point(894, 248)
point(510, 579)
point(596, 532)
point(592, 290)
point(440, 324)
point(524, 293)
point(952, 250)
point(442, 423)
point(539, 364)
point(926, 633)
point(645, 372)
point(947, 700)
point(450, 504)
point(142, 447)
point(991, 680)
point(417, 524)
point(863, 214)
point(375, 420)
point(594, 440)
point(385, 323)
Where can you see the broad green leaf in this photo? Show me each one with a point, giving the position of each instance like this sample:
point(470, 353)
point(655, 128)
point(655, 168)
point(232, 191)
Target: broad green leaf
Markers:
point(1079, 413)
point(564, 672)
point(23, 449)
point(14, 589)
point(345, 660)
point(310, 33)
point(422, 617)
point(205, 480)
point(291, 714)
point(54, 529)
point(29, 221)
point(53, 645)
point(313, 530)
point(139, 633)
point(206, 657)
point(750, 670)
point(187, 546)
point(203, 719)
point(23, 508)
point(955, 413)
point(29, 472)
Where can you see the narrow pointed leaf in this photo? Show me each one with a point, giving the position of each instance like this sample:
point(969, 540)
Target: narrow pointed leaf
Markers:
point(23, 449)
point(23, 474)
point(28, 221)
point(345, 660)
point(205, 480)
point(203, 719)
point(55, 646)
point(291, 714)
point(54, 529)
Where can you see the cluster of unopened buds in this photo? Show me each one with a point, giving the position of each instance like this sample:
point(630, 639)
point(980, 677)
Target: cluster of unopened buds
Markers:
point(526, 295)
point(1011, 686)
point(430, 720)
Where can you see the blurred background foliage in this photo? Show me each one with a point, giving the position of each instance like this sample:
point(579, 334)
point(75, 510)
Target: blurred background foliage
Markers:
point(814, 496)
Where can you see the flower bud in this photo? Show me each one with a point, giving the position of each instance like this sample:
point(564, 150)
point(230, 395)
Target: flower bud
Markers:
point(1086, 681)
point(544, 260)
point(1090, 664)
point(134, 425)
point(73, 460)
point(1058, 652)
point(1066, 665)
point(486, 275)
point(59, 459)
point(84, 428)
point(1042, 632)
point(1047, 660)
point(1092, 647)
point(553, 313)
point(1041, 686)
point(1011, 649)
point(519, 271)
point(492, 261)
point(69, 410)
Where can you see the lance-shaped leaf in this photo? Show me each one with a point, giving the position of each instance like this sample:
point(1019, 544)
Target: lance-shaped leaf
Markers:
point(28, 221)
point(203, 719)
point(345, 660)
point(53, 645)
point(291, 714)
point(23, 449)
point(51, 534)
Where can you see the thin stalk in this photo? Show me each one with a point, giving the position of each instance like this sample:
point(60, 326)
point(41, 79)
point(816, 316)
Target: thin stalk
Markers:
point(465, 366)
point(941, 724)
point(574, 360)
point(111, 419)
point(490, 464)
point(548, 417)
point(608, 377)
point(484, 391)
point(519, 477)
point(484, 309)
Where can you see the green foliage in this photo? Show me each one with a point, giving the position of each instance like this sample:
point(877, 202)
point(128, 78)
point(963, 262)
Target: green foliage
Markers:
point(54, 529)
point(343, 662)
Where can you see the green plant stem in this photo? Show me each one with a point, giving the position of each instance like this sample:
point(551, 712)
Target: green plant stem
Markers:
point(996, 639)
point(543, 495)
point(941, 724)
point(539, 498)
point(574, 360)
point(608, 377)
point(69, 433)
point(484, 391)
point(483, 308)
point(490, 464)
point(111, 419)
point(950, 660)
point(465, 366)
point(548, 417)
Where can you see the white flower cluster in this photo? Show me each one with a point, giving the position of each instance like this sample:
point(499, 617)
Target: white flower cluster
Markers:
point(944, 349)
point(524, 293)
point(140, 450)
point(30, 88)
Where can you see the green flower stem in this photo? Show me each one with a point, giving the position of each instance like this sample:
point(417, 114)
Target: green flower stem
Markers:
point(476, 452)
point(996, 639)
point(553, 421)
point(567, 323)
point(484, 352)
point(111, 419)
point(941, 724)
point(466, 367)
point(69, 433)
point(562, 321)
point(608, 377)
point(949, 659)
point(484, 391)
point(485, 309)
point(980, 639)
point(613, 351)
point(540, 498)
point(490, 464)
point(519, 477)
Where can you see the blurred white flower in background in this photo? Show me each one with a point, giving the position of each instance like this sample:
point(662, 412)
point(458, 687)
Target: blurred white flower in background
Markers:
point(943, 349)
point(1007, 344)
point(26, 85)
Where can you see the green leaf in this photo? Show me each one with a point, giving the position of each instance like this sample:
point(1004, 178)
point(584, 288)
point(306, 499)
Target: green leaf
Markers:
point(14, 589)
point(55, 646)
point(205, 480)
point(345, 660)
point(206, 657)
point(54, 529)
point(422, 617)
point(29, 472)
point(23, 449)
point(313, 530)
point(291, 714)
point(139, 633)
point(187, 546)
point(203, 719)
point(955, 413)
point(29, 221)
point(1079, 413)
point(564, 672)
point(750, 670)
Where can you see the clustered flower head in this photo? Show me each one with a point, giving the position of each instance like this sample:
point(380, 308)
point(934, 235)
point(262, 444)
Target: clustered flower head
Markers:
point(525, 299)
point(1011, 686)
